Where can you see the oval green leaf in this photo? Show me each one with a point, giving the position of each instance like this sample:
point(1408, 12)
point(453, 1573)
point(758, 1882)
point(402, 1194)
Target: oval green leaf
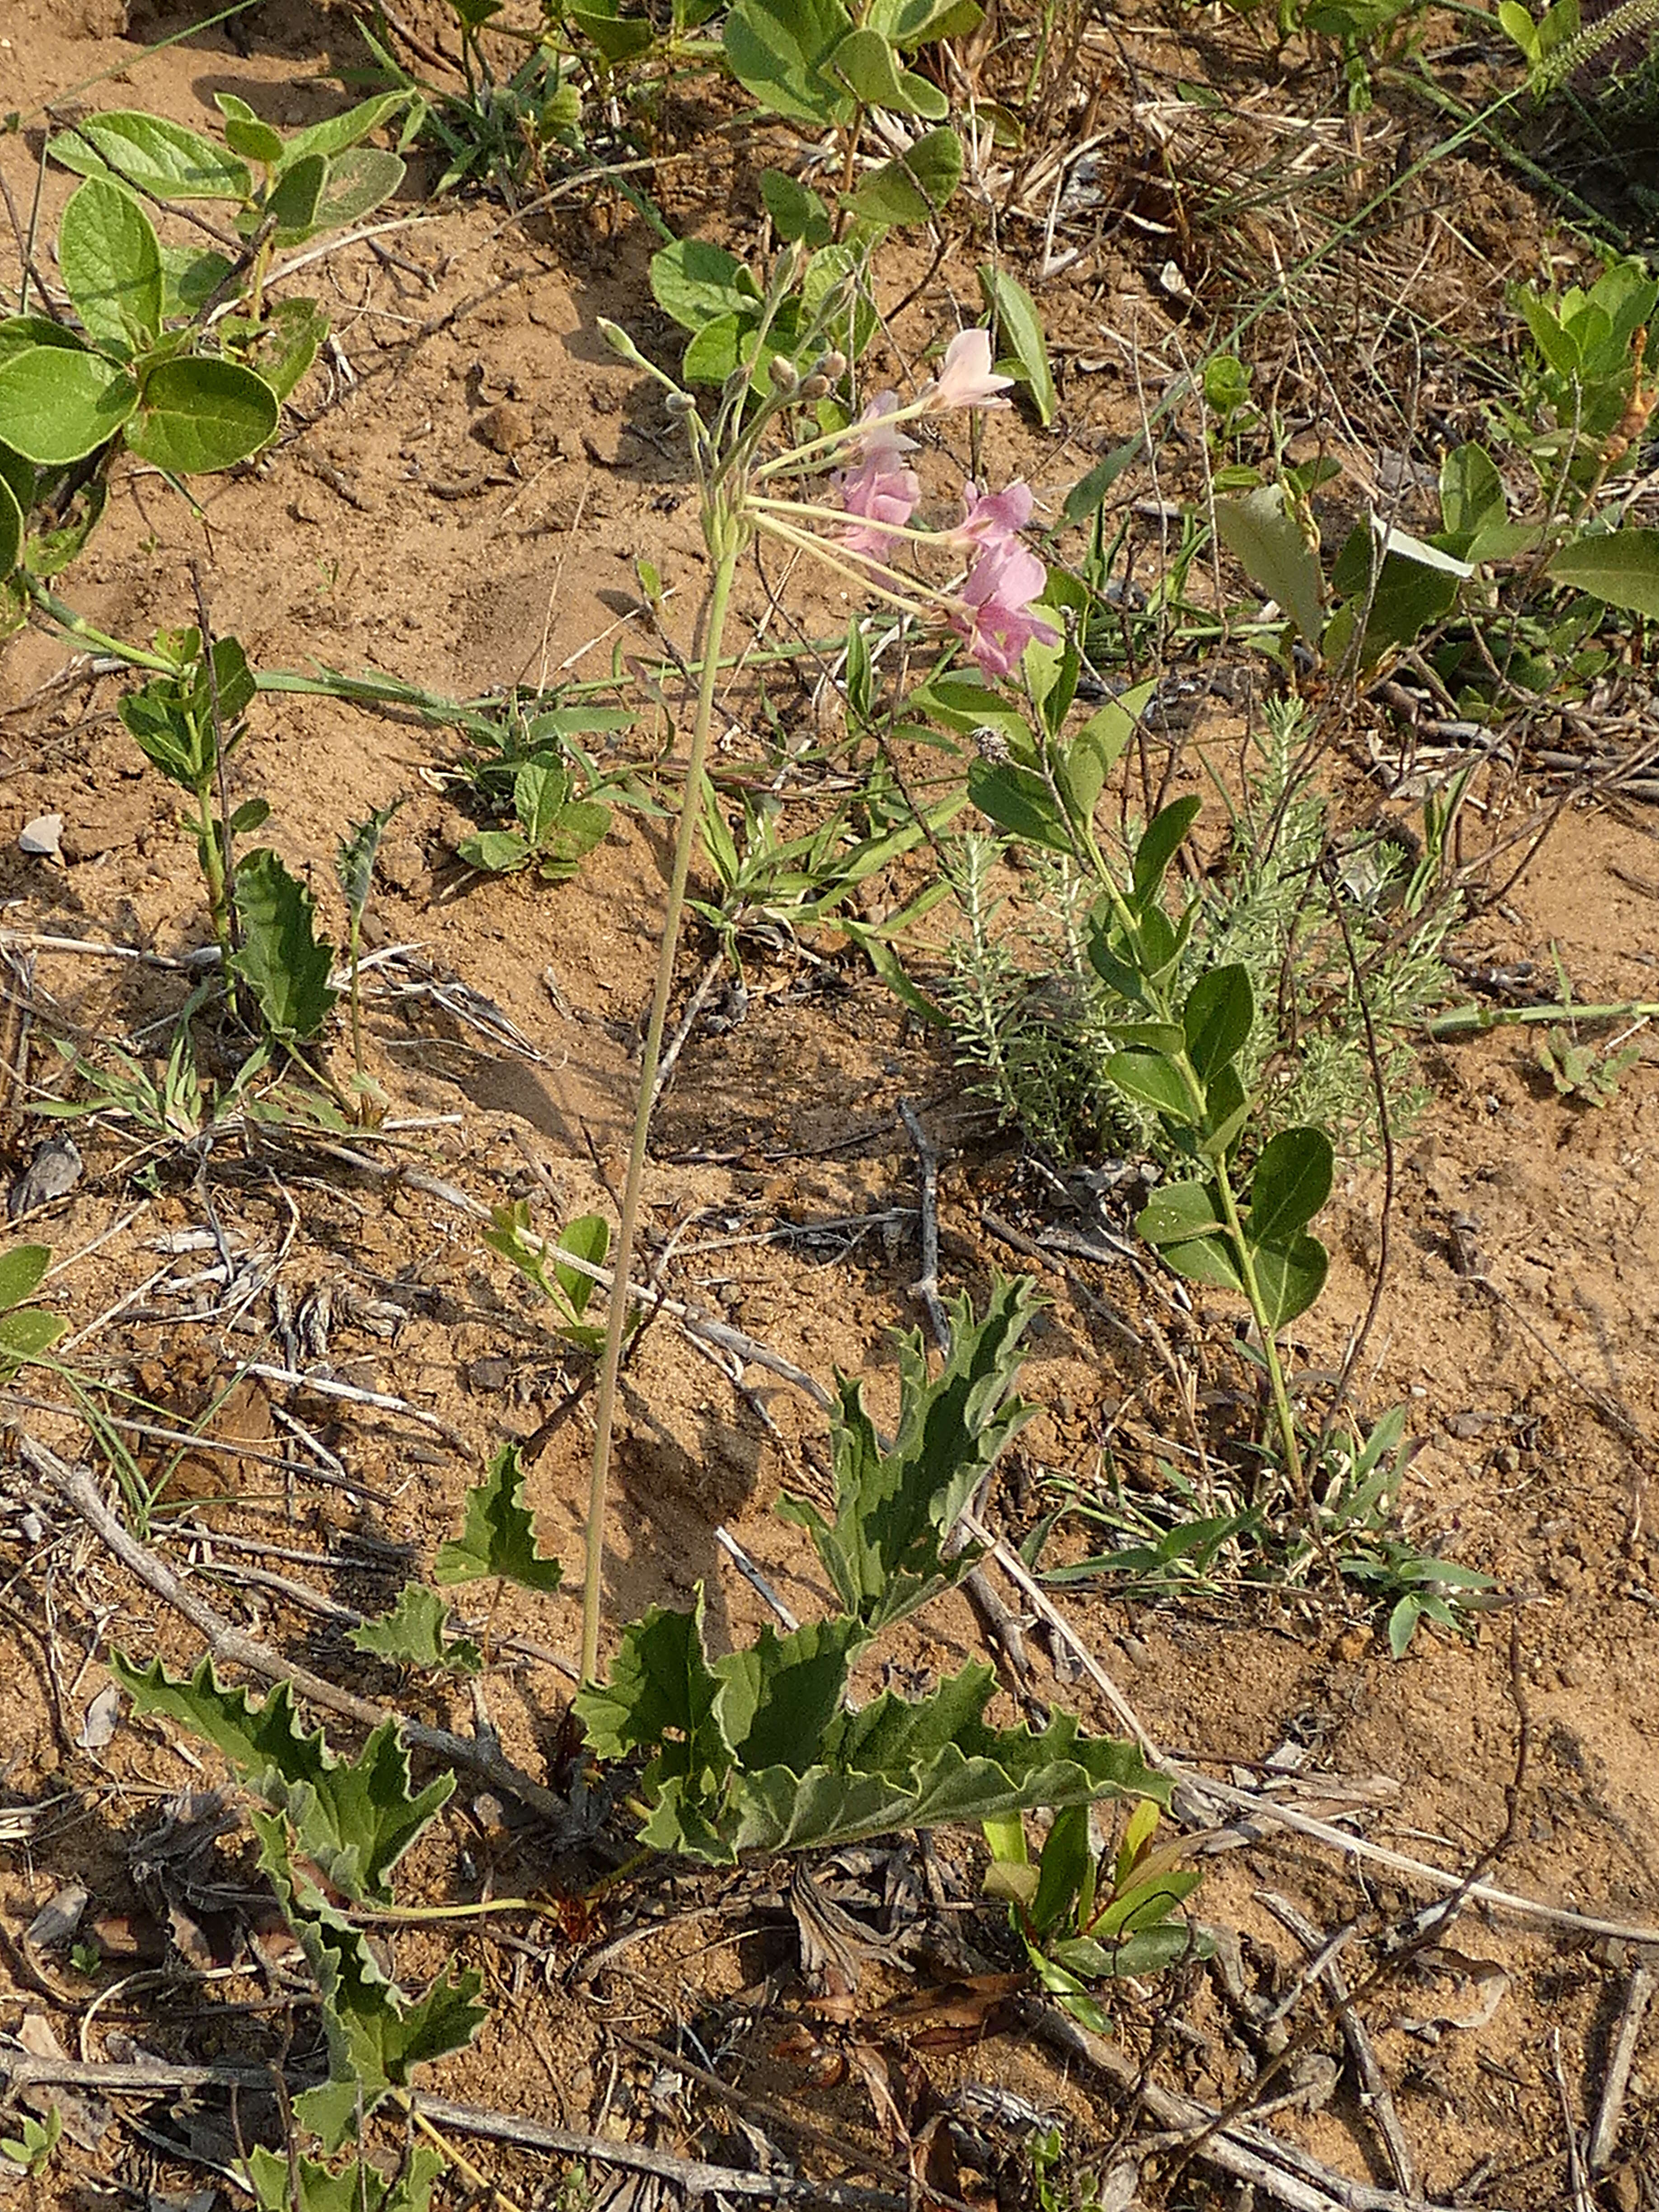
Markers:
point(200, 414)
point(1292, 1180)
point(1288, 1277)
point(1620, 568)
point(915, 186)
point(1217, 1018)
point(29, 1332)
point(59, 403)
point(778, 50)
point(161, 157)
point(1151, 1079)
point(1160, 843)
point(111, 265)
point(1267, 544)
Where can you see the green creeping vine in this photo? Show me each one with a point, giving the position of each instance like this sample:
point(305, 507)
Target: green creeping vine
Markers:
point(178, 358)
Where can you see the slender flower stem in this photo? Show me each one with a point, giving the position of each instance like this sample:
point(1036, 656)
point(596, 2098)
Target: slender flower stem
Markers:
point(720, 593)
point(846, 516)
point(815, 450)
point(922, 599)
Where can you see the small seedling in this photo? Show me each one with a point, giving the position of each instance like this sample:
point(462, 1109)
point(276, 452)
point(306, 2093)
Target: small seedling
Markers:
point(1586, 1073)
point(34, 2148)
point(1087, 1916)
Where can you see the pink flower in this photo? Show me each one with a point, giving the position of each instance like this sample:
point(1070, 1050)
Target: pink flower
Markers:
point(1002, 583)
point(875, 436)
point(993, 518)
point(965, 377)
point(884, 492)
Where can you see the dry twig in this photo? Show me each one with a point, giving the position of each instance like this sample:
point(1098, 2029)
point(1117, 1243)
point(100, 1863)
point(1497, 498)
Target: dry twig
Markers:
point(75, 1487)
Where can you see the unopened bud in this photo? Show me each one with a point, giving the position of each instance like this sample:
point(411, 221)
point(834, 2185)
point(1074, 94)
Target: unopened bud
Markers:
point(619, 342)
point(785, 376)
point(834, 367)
point(817, 387)
point(678, 404)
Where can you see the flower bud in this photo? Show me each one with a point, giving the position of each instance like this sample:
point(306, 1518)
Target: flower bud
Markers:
point(816, 387)
point(785, 376)
point(834, 367)
point(620, 343)
point(678, 404)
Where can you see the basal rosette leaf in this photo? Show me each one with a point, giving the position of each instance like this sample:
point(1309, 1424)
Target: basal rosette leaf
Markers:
point(498, 1537)
point(884, 1551)
point(355, 1820)
point(661, 1696)
point(376, 2036)
point(293, 2183)
point(412, 1634)
point(282, 960)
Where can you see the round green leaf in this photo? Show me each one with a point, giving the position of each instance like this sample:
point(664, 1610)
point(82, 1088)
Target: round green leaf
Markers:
point(200, 414)
point(697, 283)
point(255, 141)
point(112, 264)
point(915, 186)
point(58, 404)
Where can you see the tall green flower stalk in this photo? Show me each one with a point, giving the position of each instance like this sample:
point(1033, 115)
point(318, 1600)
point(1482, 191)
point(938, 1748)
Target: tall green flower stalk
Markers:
point(859, 528)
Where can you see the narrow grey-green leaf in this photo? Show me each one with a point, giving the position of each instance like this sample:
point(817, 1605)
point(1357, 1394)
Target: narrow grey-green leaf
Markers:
point(1019, 331)
point(1267, 544)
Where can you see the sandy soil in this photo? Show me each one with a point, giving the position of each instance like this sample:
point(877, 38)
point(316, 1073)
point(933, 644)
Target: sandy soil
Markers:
point(460, 502)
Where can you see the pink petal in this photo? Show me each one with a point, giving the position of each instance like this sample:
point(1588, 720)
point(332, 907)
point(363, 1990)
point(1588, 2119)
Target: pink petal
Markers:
point(966, 377)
